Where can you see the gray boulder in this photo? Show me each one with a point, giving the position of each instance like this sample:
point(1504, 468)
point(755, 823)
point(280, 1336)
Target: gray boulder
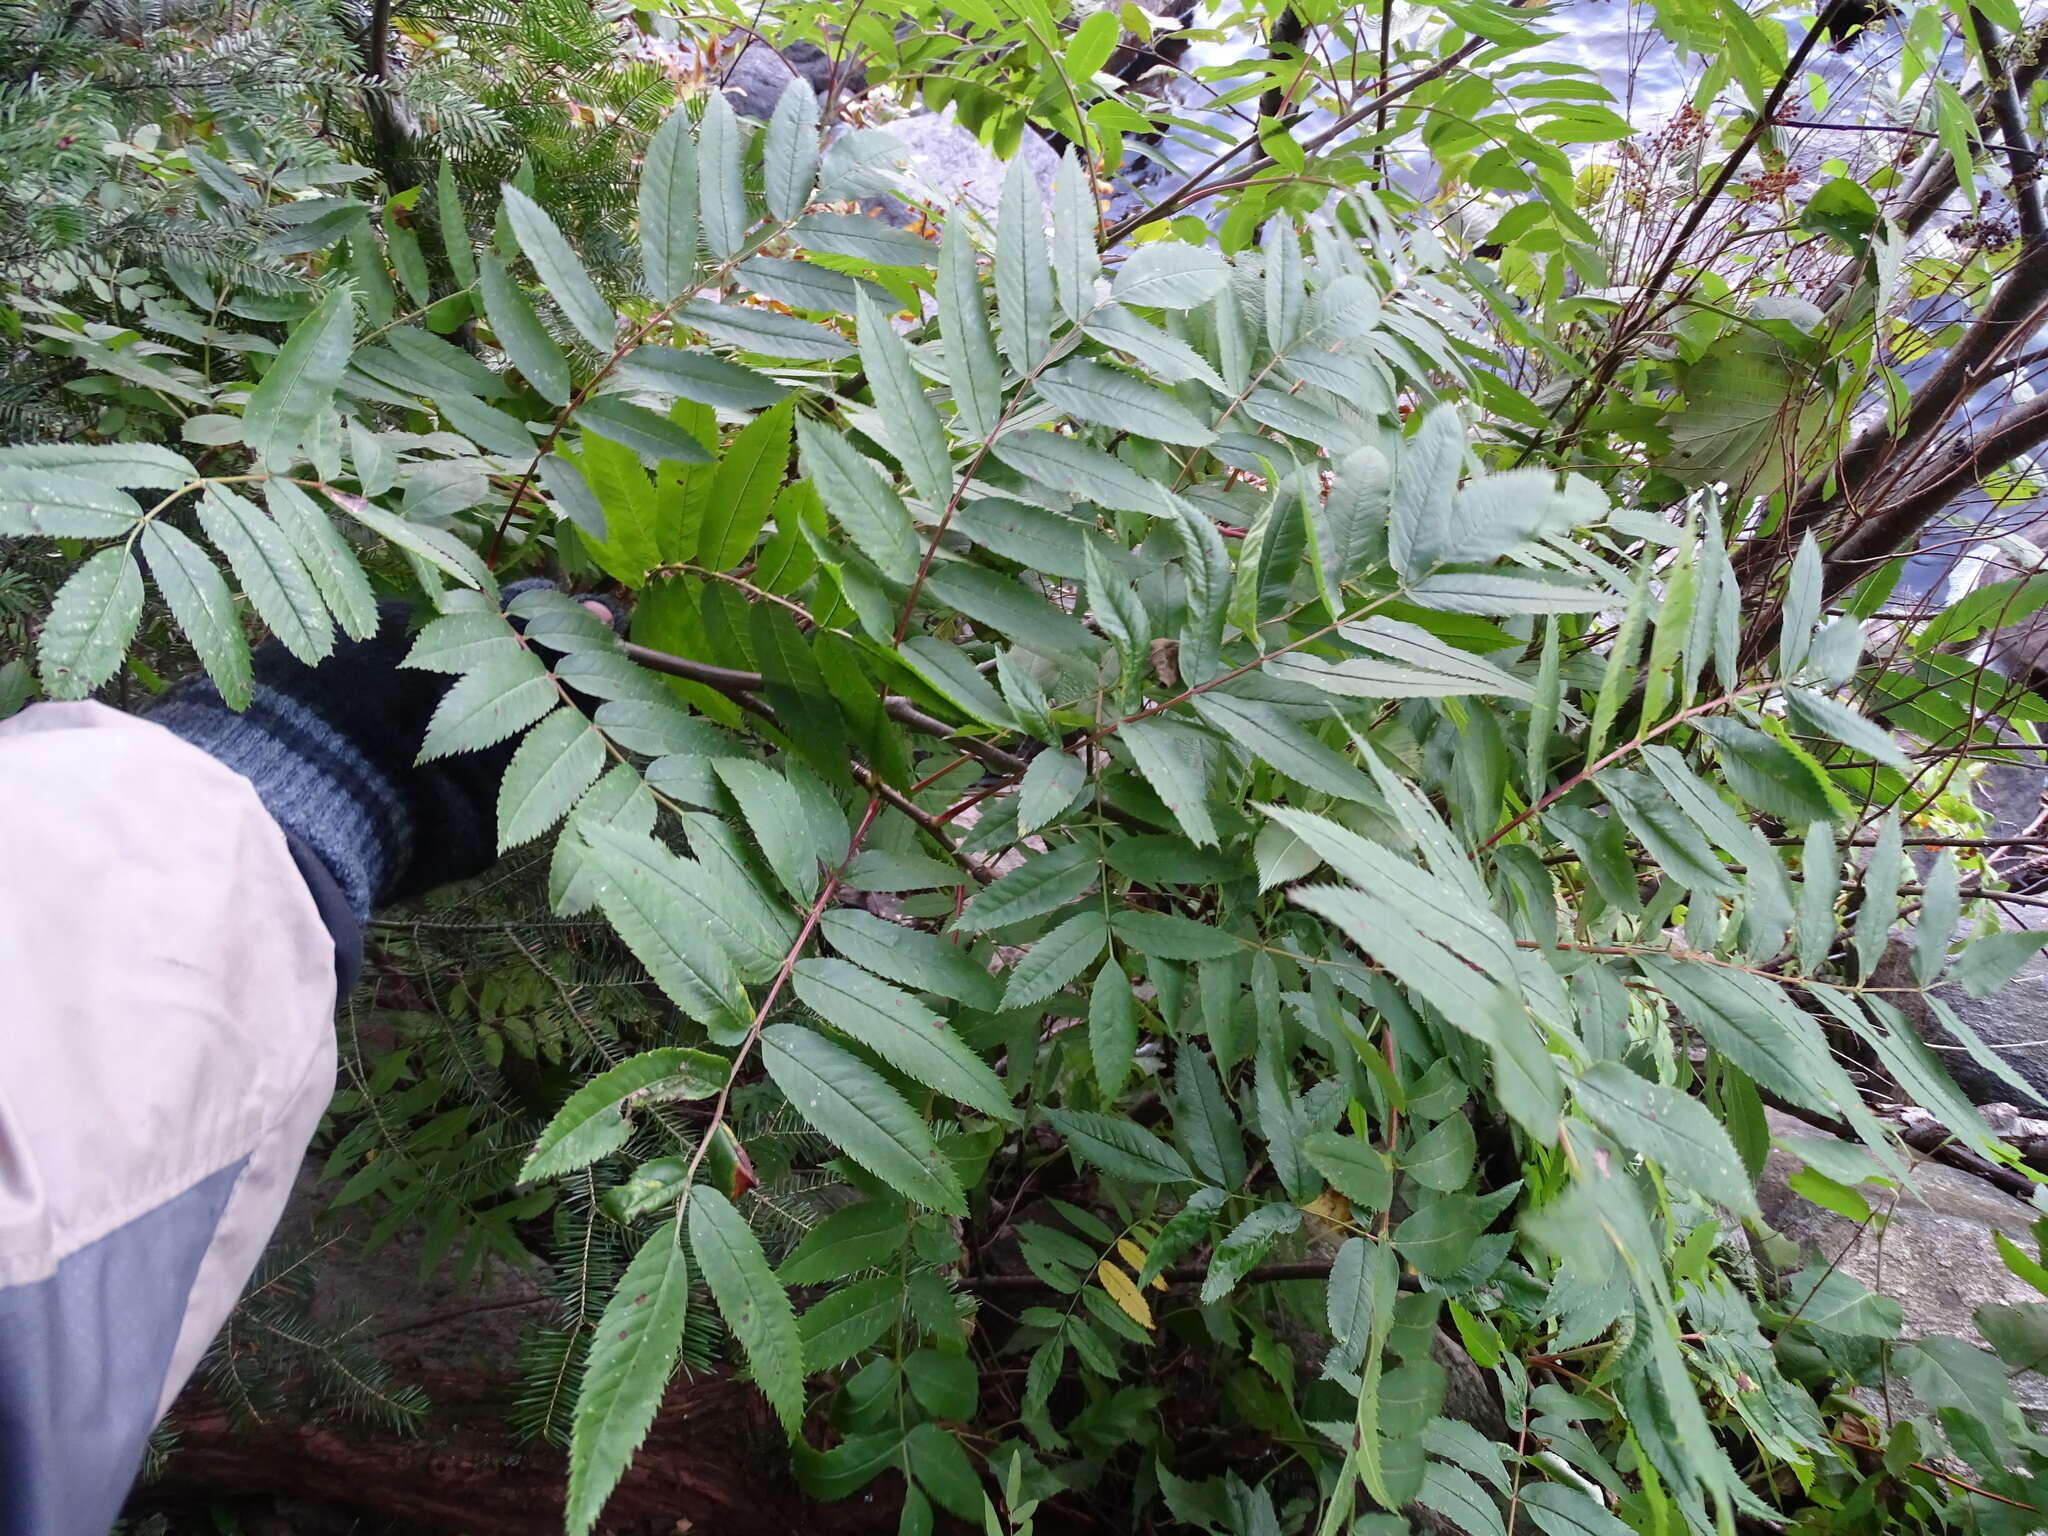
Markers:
point(951, 167)
point(755, 78)
point(1935, 1256)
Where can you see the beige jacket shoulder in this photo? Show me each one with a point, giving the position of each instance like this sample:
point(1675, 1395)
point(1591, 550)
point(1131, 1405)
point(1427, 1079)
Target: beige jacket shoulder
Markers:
point(166, 1051)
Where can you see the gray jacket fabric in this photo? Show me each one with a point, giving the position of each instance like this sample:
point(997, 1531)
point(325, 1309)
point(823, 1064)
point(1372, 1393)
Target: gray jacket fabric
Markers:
point(167, 991)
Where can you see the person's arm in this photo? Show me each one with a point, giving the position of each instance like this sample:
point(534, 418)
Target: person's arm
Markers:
point(178, 897)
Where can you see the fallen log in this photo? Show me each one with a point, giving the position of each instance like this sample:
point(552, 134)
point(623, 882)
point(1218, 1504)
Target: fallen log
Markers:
point(715, 1464)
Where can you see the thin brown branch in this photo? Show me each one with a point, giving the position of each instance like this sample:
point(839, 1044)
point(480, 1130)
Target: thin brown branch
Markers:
point(1884, 529)
point(736, 684)
point(2020, 157)
point(1197, 186)
point(1651, 293)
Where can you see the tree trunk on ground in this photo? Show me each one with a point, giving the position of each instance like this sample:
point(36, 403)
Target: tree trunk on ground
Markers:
point(715, 1464)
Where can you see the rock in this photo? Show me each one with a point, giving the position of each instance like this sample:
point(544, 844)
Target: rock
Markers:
point(755, 75)
point(1935, 1258)
point(2010, 794)
point(951, 167)
point(755, 78)
point(2012, 1022)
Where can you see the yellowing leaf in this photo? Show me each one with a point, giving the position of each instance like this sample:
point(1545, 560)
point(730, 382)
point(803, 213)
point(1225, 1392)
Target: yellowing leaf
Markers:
point(1331, 1207)
point(1123, 1290)
point(1137, 1258)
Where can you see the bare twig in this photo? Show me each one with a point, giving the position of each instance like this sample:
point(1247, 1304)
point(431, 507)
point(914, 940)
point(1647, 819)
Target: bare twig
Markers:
point(2020, 157)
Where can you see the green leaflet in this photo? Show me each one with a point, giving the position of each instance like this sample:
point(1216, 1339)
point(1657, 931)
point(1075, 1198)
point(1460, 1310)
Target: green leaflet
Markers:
point(1801, 609)
point(1433, 903)
point(1119, 1148)
point(948, 1386)
point(1442, 1158)
point(1171, 360)
point(1169, 276)
point(654, 438)
point(1286, 288)
point(486, 426)
point(744, 487)
point(752, 1300)
point(592, 1123)
point(947, 670)
point(300, 382)
point(458, 641)
point(1112, 1028)
point(52, 503)
point(850, 1239)
point(1270, 737)
point(454, 228)
point(1204, 1120)
point(721, 191)
point(851, 1105)
point(1062, 464)
point(1837, 1303)
point(1120, 613)
point(765, 331)
point(1034, 888)
point(335, 572)
point(560, 758)
point(519, 331)
point(559, 271)
point(1989, 963)
point(1561, 1511)
point(963, 324)
point(1676, 1131)
point(1756, 1027)
point(697, 376)
point(860, 500)
point(1246, 1243)
point(668, 209)
point(776, 818)
point(736, 905)
point(644, 892)
point(1455, 1496)
point(900, 1030)
point(1024, 296)
point(1056, 959)
point(1880, 906)
point(435, 546)
point(198, 599)
point(1425, 478)
point(272, 578)
point(805, 284)
point(1417, 648)
point(620, 797)
point(504, 692)
point(1053, 782)
point(846, 1321)
point(632, 1354)
point(909, 422)
point(1189, 1226)
point(1348, 1303)
point(1348, 524)
point(90, 624)
point(1168, 936)
point(1121, 402)
point(865, 239)
point(1355, 1169)
point(1501, 594)
point(1076, 266)
point(904, 955)
point(141, 465)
